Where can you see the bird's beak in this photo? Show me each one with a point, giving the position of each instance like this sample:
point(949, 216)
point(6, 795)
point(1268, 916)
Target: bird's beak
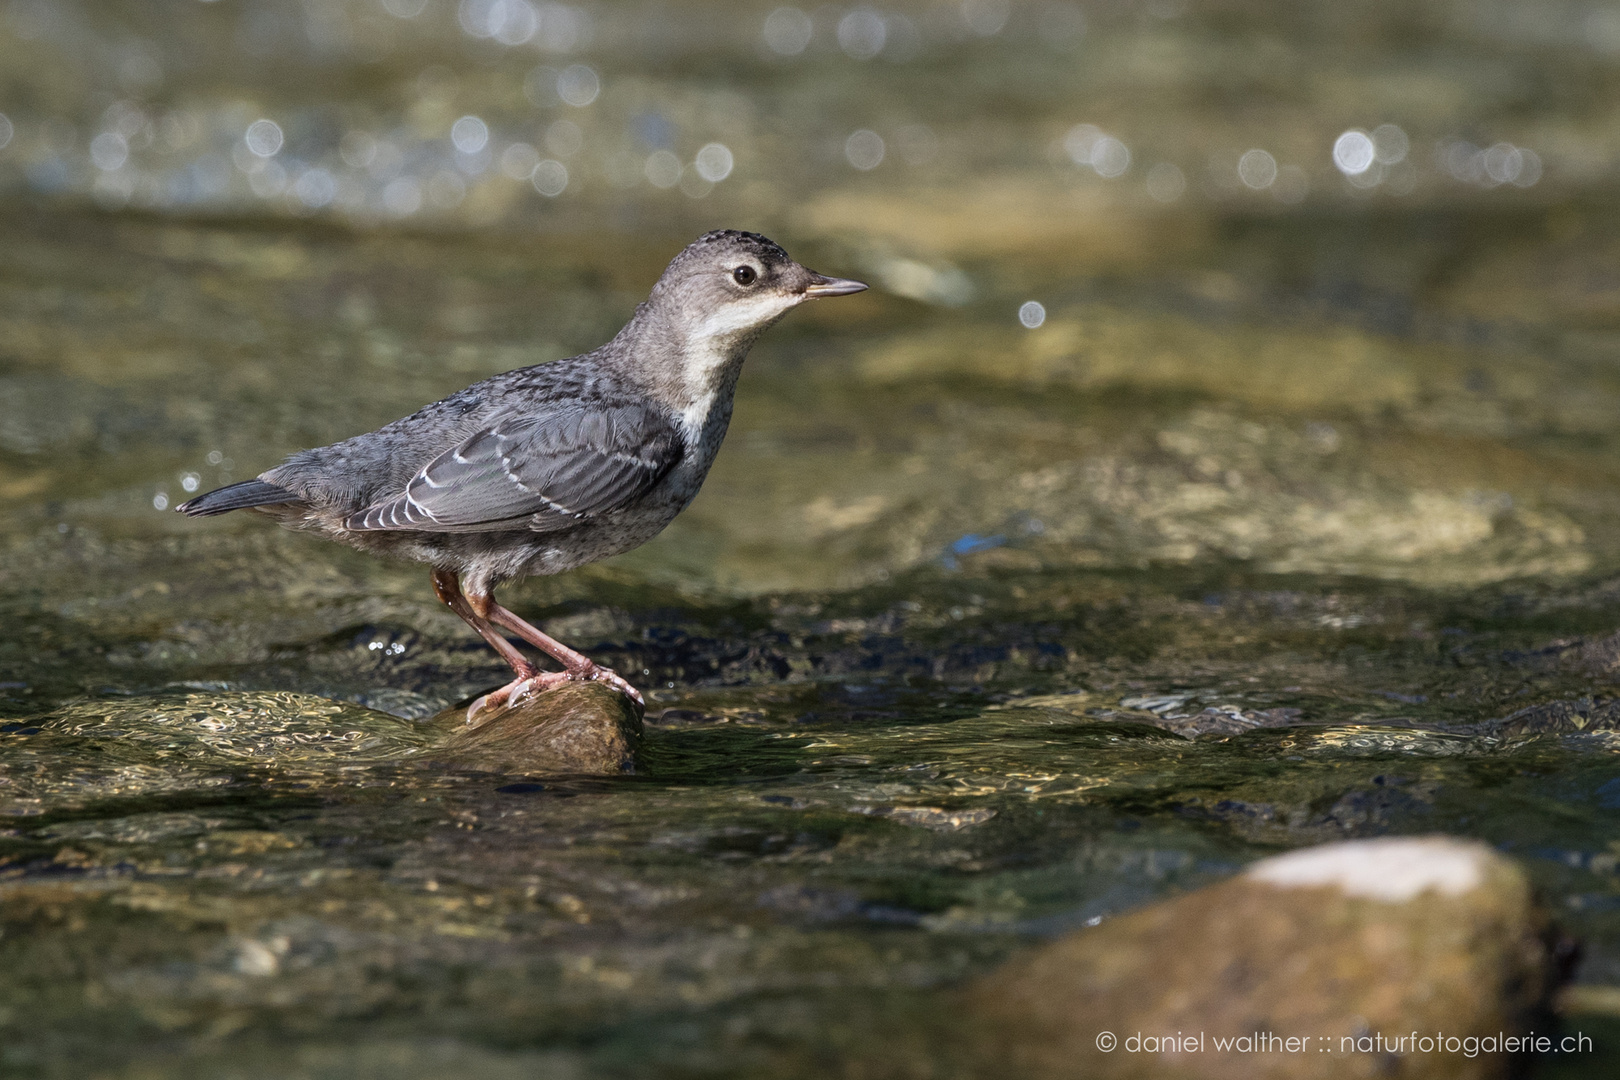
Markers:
point(832, 286)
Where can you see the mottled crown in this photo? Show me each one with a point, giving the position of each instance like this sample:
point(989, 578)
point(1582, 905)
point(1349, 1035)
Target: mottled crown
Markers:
point(747, 241)
point(723, 242)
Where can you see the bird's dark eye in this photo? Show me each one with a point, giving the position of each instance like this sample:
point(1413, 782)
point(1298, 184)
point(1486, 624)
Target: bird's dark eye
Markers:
point(744, 274)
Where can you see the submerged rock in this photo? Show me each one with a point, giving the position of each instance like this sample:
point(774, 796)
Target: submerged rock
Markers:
point(577, 728)
point(1334, 961)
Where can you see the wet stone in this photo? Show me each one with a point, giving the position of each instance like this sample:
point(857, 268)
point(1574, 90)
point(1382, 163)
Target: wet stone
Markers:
point(580, 728)
point(1319, 958)
point(1599, 656)
point(1563, 717)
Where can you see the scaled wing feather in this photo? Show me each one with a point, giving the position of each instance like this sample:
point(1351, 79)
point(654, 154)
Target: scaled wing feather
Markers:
point(542, 473)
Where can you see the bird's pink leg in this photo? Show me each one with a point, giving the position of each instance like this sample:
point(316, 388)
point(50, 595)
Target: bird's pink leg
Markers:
point(576, 665)
point(529, 679)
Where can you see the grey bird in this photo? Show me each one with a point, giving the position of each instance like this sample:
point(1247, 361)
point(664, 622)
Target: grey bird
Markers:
point(547, 468)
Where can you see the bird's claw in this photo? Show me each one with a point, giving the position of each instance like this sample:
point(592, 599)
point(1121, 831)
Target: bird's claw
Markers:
point(598, 673)
point(516, 691)
point(512, 693)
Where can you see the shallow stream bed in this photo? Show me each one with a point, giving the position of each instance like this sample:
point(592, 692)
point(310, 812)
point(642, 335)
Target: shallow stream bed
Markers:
point(1295, 516)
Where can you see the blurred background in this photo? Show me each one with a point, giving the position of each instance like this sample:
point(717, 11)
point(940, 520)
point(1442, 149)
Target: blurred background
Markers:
point(1224, 460)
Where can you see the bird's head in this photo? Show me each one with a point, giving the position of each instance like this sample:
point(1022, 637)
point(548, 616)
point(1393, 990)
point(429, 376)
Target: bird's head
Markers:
point(727, 287)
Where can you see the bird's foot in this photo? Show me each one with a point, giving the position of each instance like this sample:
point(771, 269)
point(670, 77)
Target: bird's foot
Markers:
point(514, 692)
point(519, 689)
point(593, 672)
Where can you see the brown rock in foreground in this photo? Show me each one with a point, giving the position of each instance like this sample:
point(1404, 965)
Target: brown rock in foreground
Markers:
point(1323, 963)
point(578, 728)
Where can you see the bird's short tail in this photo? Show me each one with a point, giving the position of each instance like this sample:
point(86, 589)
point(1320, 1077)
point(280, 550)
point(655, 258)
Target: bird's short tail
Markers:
point(237, 497)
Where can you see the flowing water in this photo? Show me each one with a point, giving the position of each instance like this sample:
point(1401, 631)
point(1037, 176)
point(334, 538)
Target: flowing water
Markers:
point(1178, 496)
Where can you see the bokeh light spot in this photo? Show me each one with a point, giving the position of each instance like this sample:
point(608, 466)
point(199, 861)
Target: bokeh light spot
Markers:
point(510, 22)
point(402, 197)
point(358, 149)
point(1110, 157)
point(109, 151)
point(1257, 169)
point(1390, 144)
point(518, 161)
point(1530, 168)
point(469, 134)
point(578, 85)
point(1503, 162)
point(1353, 152)
point(315, 188)
point(264, 138)
point(864, 150)
point(985, 17)
point(861, 34)
point(713, 162)
point(663, 169)
point(788, 31)
point(1088, 146)
point(1032, 314)
point(550, 178)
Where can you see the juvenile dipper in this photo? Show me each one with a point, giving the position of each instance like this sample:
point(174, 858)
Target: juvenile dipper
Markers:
point(546, 468)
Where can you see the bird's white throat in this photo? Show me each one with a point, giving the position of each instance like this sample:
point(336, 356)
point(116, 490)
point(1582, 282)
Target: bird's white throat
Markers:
point(718, 345)
point(744, 316)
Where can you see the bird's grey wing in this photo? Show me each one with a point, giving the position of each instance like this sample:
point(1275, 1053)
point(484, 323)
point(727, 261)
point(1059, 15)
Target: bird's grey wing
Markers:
point(542, 473)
